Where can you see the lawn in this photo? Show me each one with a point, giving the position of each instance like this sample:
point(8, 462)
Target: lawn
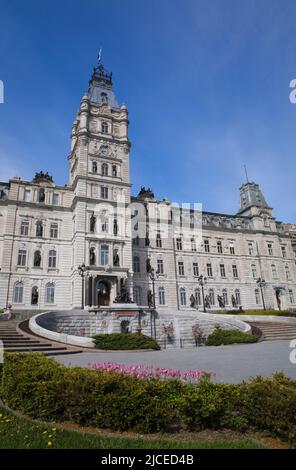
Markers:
point(21, 433)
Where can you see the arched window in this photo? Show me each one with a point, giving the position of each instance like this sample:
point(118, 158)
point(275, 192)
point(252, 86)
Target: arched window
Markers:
point(197, 296)
point(237, 296)
point(52, 259)
point(183, 296)
point(257, 297)
point(273, 271)
point(104, 169)
point(104, 255)
point(49, 293)
point(254, 271)
point(225, 296)
point(138, 295)
point(161, 296)
point(136, 264)
point(104, 127)
point(212, 296)
point(287, 272)
point(18, 293)
point(94, 167)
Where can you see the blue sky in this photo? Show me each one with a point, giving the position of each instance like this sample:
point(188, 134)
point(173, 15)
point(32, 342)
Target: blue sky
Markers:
point(206, 84)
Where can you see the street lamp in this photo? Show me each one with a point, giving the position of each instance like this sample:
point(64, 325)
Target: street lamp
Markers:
point(82, 271)
point(202, 280)
point(153, 276)
point(261, 283)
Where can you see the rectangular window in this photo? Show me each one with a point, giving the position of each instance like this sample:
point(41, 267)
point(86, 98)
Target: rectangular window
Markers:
point(181, 268)
point(251, 249)
point(222, 270)
point(270, 249)
point(209, 270)
point(179, 243)
point(158, 241)
point(52, 259)
point(25, 228)
point(160, 267)
point(22, 258)
point(219, 247)
point(136, 264)
point(195, 269)
point(54, 230)
point(231, 248)
point(27, 195)
point(193, 244)
point(161, 296)
point(207, 246)
point(55, 199)
point(104, 192)
point(284, 252)
point(234, 271)
point(104, 255)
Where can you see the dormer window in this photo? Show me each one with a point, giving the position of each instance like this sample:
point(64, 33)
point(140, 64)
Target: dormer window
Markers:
point(104, 98)
point(104, 127)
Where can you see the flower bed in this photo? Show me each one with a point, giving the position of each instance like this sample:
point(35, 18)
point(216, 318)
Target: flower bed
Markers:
point(150, 372)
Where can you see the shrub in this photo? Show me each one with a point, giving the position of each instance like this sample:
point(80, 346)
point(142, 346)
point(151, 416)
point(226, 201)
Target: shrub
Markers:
point(220, 336)
point(122, 341)
point(41, 388)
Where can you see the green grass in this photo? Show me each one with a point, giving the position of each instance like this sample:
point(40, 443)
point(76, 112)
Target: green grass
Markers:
point(124, 341)
point(21, 433)
point(220, 336)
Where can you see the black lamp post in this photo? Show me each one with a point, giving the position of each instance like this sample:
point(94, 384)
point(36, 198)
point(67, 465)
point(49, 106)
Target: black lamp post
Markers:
point(202, 280)
point(261, 283)
point(82, 271)
point(153, 276)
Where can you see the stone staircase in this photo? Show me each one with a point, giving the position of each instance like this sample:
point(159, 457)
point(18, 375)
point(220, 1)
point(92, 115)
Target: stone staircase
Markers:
point(16, 340)
point(272, 331)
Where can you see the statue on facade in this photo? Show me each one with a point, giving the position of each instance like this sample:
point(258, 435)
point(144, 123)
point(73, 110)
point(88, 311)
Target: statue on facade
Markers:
point(207, 302)
point(115, 227)
point(146, 193)
point(116, 261)
point(148, 266)
point(233, 301)
point(34, 296)
point(42, 177)
point(92, 223)
point(221, 301)
point(123, 297)
point(41, 195)
point(192, 301)
point(39, 229)
point(92, 256)
point(150, 299)
point(37, 259)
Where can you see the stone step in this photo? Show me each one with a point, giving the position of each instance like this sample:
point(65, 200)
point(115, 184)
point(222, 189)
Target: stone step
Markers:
point(33, 348)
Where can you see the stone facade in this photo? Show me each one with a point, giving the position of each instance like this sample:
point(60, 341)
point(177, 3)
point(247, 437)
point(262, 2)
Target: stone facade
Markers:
point(47, 232)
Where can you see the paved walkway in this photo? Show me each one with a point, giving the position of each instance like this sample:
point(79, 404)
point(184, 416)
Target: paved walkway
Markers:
point(232, 364)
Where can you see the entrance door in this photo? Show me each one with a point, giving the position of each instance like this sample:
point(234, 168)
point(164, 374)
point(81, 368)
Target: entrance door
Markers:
point(103, 293)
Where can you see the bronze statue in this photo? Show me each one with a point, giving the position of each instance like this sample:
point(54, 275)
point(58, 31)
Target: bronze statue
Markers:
point(39, 229)
point(37, 259)
point(221, 301)
point(192, 301)
point(148, 265)
point(150, 299)
point(92, 256)
point(34, 296)
point(116, 260)
point(92, 223)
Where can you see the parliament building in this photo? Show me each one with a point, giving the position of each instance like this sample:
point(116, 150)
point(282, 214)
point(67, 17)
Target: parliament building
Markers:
point(85, 243)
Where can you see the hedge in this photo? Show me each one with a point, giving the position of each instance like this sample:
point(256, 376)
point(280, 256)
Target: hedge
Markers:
point(42, 388)
point(125, 341)
point(220, 336)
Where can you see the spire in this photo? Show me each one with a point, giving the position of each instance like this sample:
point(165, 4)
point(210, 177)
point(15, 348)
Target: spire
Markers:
point(100, 85)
